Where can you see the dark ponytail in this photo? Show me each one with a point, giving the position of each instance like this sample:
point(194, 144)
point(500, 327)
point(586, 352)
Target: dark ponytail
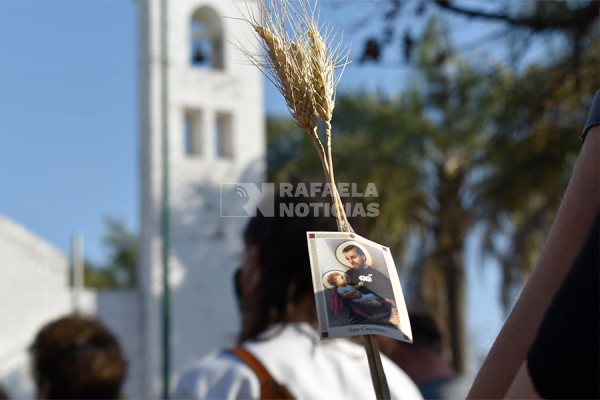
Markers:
point(285, 275)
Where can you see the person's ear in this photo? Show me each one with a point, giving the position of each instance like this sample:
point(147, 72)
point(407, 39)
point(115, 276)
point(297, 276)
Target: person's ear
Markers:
point(398, 354)
point(254, 255)
point(250, 272)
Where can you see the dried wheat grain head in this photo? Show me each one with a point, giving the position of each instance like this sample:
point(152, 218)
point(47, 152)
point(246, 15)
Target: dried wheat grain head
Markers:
point(282, 60)
point(326, 56)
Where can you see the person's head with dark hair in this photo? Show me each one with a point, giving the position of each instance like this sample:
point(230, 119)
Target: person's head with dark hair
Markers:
point(425, 331)
point(423, 360)
point(276, 276)
point(76, 357)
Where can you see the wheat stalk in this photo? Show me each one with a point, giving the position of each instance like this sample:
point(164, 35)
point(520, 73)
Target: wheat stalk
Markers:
point(284, 63)
point(302, 66)
point(326, 57)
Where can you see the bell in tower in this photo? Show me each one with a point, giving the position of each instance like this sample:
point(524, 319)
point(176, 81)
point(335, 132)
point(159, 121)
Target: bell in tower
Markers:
point(206, 34)
point(199, 58)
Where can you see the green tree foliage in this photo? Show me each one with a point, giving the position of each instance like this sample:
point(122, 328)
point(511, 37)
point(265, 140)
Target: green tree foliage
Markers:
point(120, 271)
point(98, 277)
point(466, 146)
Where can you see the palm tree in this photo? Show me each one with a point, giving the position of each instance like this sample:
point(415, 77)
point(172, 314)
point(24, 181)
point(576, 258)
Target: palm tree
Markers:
point(465, 147)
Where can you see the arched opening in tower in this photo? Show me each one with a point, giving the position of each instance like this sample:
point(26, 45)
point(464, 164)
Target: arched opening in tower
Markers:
point(206, 39)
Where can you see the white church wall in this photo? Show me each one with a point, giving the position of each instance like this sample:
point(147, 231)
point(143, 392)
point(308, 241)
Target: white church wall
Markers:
point(205, 248)
point(34, 290)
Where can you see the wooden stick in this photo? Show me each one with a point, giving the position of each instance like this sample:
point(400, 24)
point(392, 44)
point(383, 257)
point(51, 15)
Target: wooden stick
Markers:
point(382, 390)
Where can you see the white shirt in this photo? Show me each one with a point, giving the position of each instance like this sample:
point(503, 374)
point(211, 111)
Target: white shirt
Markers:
point(297, 358)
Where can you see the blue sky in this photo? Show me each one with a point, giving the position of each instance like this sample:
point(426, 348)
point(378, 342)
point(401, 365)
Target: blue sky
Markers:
point(68, 123)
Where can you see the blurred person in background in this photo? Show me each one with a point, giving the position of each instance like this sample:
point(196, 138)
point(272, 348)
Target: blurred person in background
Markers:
point(76, 357)
point(280, 354)
point(424, 361)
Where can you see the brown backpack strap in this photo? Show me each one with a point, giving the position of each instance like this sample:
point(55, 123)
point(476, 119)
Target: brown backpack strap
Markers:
point(269, 388)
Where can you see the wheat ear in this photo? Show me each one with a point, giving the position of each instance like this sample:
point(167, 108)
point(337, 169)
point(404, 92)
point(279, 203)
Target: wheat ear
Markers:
point(325, 58)
point(278, 58)
point(287, 64)
point(303, 72)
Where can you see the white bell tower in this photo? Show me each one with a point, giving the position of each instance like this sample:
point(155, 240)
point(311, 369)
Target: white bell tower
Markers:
point(215, 134)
